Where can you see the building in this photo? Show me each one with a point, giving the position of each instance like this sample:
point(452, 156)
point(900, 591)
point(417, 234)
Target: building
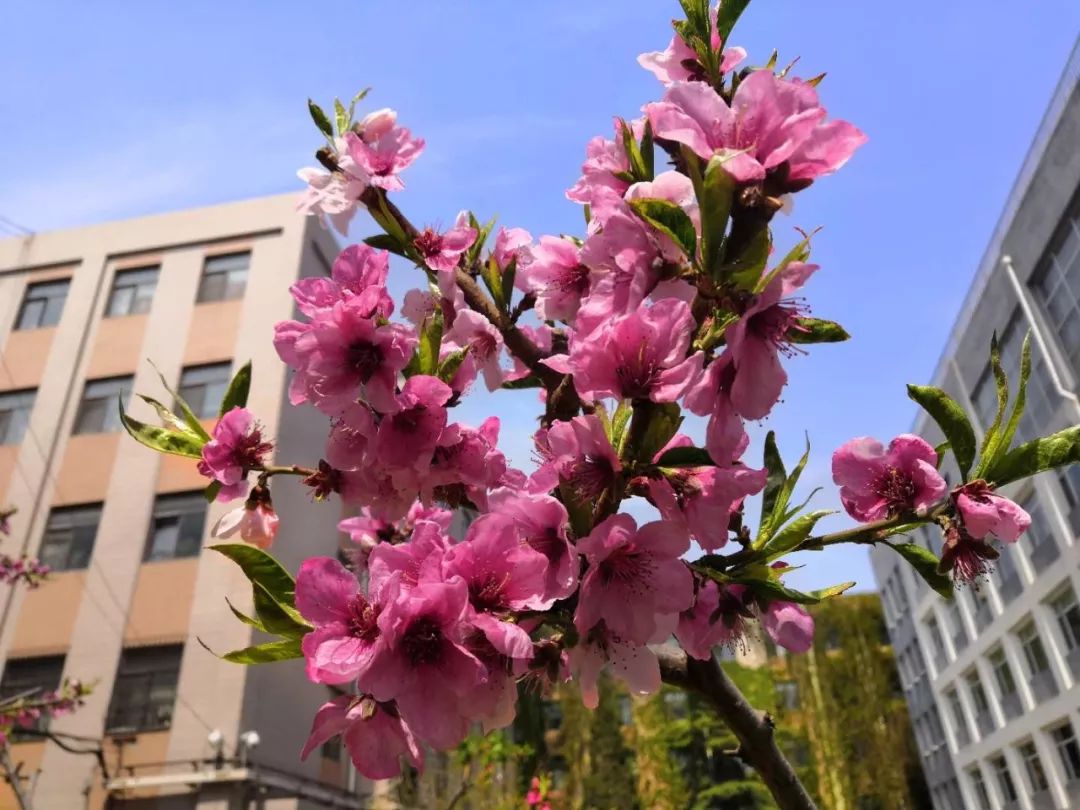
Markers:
point(991, 677)
point(82, 312)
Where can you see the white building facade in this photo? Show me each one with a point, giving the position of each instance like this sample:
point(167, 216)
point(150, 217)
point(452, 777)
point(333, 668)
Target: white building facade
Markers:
point(992, 677)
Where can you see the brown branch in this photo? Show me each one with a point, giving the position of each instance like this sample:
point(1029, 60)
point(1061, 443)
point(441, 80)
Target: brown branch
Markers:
point(754, 729)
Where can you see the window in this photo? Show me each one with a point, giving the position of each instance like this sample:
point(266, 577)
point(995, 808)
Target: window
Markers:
point(224, 277)
point(203, 388)
point(145, 689)
point(1056, 281)
point(1002, 673)
point(1004, 778)
point(132, 292)
point(1033, 766)
point(43, 304)
point(15, 407)
point(1067, 613)
point(1039, 534)
point(176, 528)
point(1065, 741)
point(98, 412)
point(1034, 652)
point(69, 537)
point(978, 787)
point(936, 642)
point(978, 694)
point(957, 710)
point(32, 676)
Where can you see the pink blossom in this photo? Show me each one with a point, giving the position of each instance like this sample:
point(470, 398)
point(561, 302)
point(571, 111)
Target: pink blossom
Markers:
point(257, 525)
point(423, 664)
point(347, 634)
point(410, 431)
point(679, 62)
point(374, 735)
point(442, 252)
point(345, 353)
point(600, 648)
point(760, 336)
point(604, 159)
point(674, 187)
point(770, 121)
point(634, 575)
point(876, 483)
point(581, 454)
point(330, 196)
point(474, 332)
point(351, 434)
point(541, 523)
point(725, 436)
point(789, 625)
point(510, 244)
point(405, 563)
point(624, 255)
point(557, 277)
point(964, 556)
point(985, 512)
point(235, 448)
point(704, 498)
point(468, 459)
point(502, 572)
point(382, 151)
point(358, 271)
point(717, 618)
point(641, 355)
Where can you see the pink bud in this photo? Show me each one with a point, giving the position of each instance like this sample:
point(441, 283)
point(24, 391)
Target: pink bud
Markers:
point(256, 526)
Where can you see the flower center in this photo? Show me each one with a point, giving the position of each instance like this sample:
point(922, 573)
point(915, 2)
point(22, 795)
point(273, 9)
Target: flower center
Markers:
point(423, 642)
point(429, 243)
point(488, 592)
point(483, 345)
point(637, 375)
point(774, 325)
point(251, 449)
point(408, 420)
point(549, 544)
point(363, 618)
point(627, 567)
point(896, 488)
point(364, 357)
point(590, 476)
point(572, 279)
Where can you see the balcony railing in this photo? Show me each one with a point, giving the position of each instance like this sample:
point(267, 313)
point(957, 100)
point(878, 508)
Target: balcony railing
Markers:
point(1044, 554)
point(1010, 588)
point(1010, 705)
point(1043, 685)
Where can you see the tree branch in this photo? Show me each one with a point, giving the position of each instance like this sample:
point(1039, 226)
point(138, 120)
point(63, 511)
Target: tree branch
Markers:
point(754, 729)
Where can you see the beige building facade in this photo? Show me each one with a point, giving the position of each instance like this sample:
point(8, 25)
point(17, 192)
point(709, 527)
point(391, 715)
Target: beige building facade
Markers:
point(82, 314)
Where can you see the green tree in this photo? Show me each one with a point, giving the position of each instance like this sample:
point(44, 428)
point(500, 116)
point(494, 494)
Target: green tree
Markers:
point(610, 783)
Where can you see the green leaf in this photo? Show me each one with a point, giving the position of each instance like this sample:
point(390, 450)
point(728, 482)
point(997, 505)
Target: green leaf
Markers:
point(669, 219)
point(746, 269)
point(993, 450)
point(950, 417)
point(1001, 381)
point(161, 439)
point(267, 653)
point(795, 533)
point(341, 117)
point(774, 590)
point(190, 419)
point(449, 365)
point(799, 253)
point(663, 424)
point(171, 420)
point(384, 241)
point(1036, 456)
point(388, 223)
point(211, 491)
point(244, 617)
point(320, 119)
point(779, 496)
point(940, 451)
point(237, 394)
point(834, 590)
point(426, 358)
point(579, 513)
point(276, 618)
point(259, 567)
point(686, 457)
point(356, 100)
point(648, 156)
point(716, 194)
point(620, 420)
point(633, 153)
point(530, 381)
point(816, 330)
point(776, 475)
point(496, 284)
point(727, 15)
point(926, 565)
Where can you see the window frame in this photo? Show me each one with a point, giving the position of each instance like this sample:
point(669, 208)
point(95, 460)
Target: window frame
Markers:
point(47, 317)
point(134, 689)
point(1068, 628)
point(1033, 766)
point(86, 420)
point(33, 681)
point(168, 506)
point(73, 539)
point(1070, 764)
point(207, 407)
point(1000, 766)
point(1002, 666)
point(230, 289)
point(10, 421)
point(138, 302)
point(1029, 637)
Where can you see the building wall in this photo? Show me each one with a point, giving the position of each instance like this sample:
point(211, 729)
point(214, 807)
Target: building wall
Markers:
point(119, 601)
point(958, 748)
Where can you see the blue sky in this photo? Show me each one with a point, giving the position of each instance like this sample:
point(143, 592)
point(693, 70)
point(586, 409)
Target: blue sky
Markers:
point(120, 109)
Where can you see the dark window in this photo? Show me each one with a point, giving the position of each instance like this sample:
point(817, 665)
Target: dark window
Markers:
point(978, 786)
point(145, 689)
point(1056, 281)
point(176, 528)
point(69, 537)
point(30, 677)
point(1002, 673)
point(15, 407)
point(203, 388)
point(224, 277)
point(1004, 778)
point(1033, 765)
point(43, 304)
point(1067, 613)
point(978, 695)
point(98, 411)
point(132, 292)
point(1034, 652)
point(1065, 742)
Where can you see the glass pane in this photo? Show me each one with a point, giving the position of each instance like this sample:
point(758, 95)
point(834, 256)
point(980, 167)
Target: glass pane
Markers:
point(120, 301)
point(54, 308)
point(144, 297)
point(92, 416)
point(163, 540)
point(31, 315)
point(54, 550)
point(82, 547)
point(211, 288)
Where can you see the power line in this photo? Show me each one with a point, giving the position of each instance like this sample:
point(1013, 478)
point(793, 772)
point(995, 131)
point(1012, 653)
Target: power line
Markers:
point(11, 225)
